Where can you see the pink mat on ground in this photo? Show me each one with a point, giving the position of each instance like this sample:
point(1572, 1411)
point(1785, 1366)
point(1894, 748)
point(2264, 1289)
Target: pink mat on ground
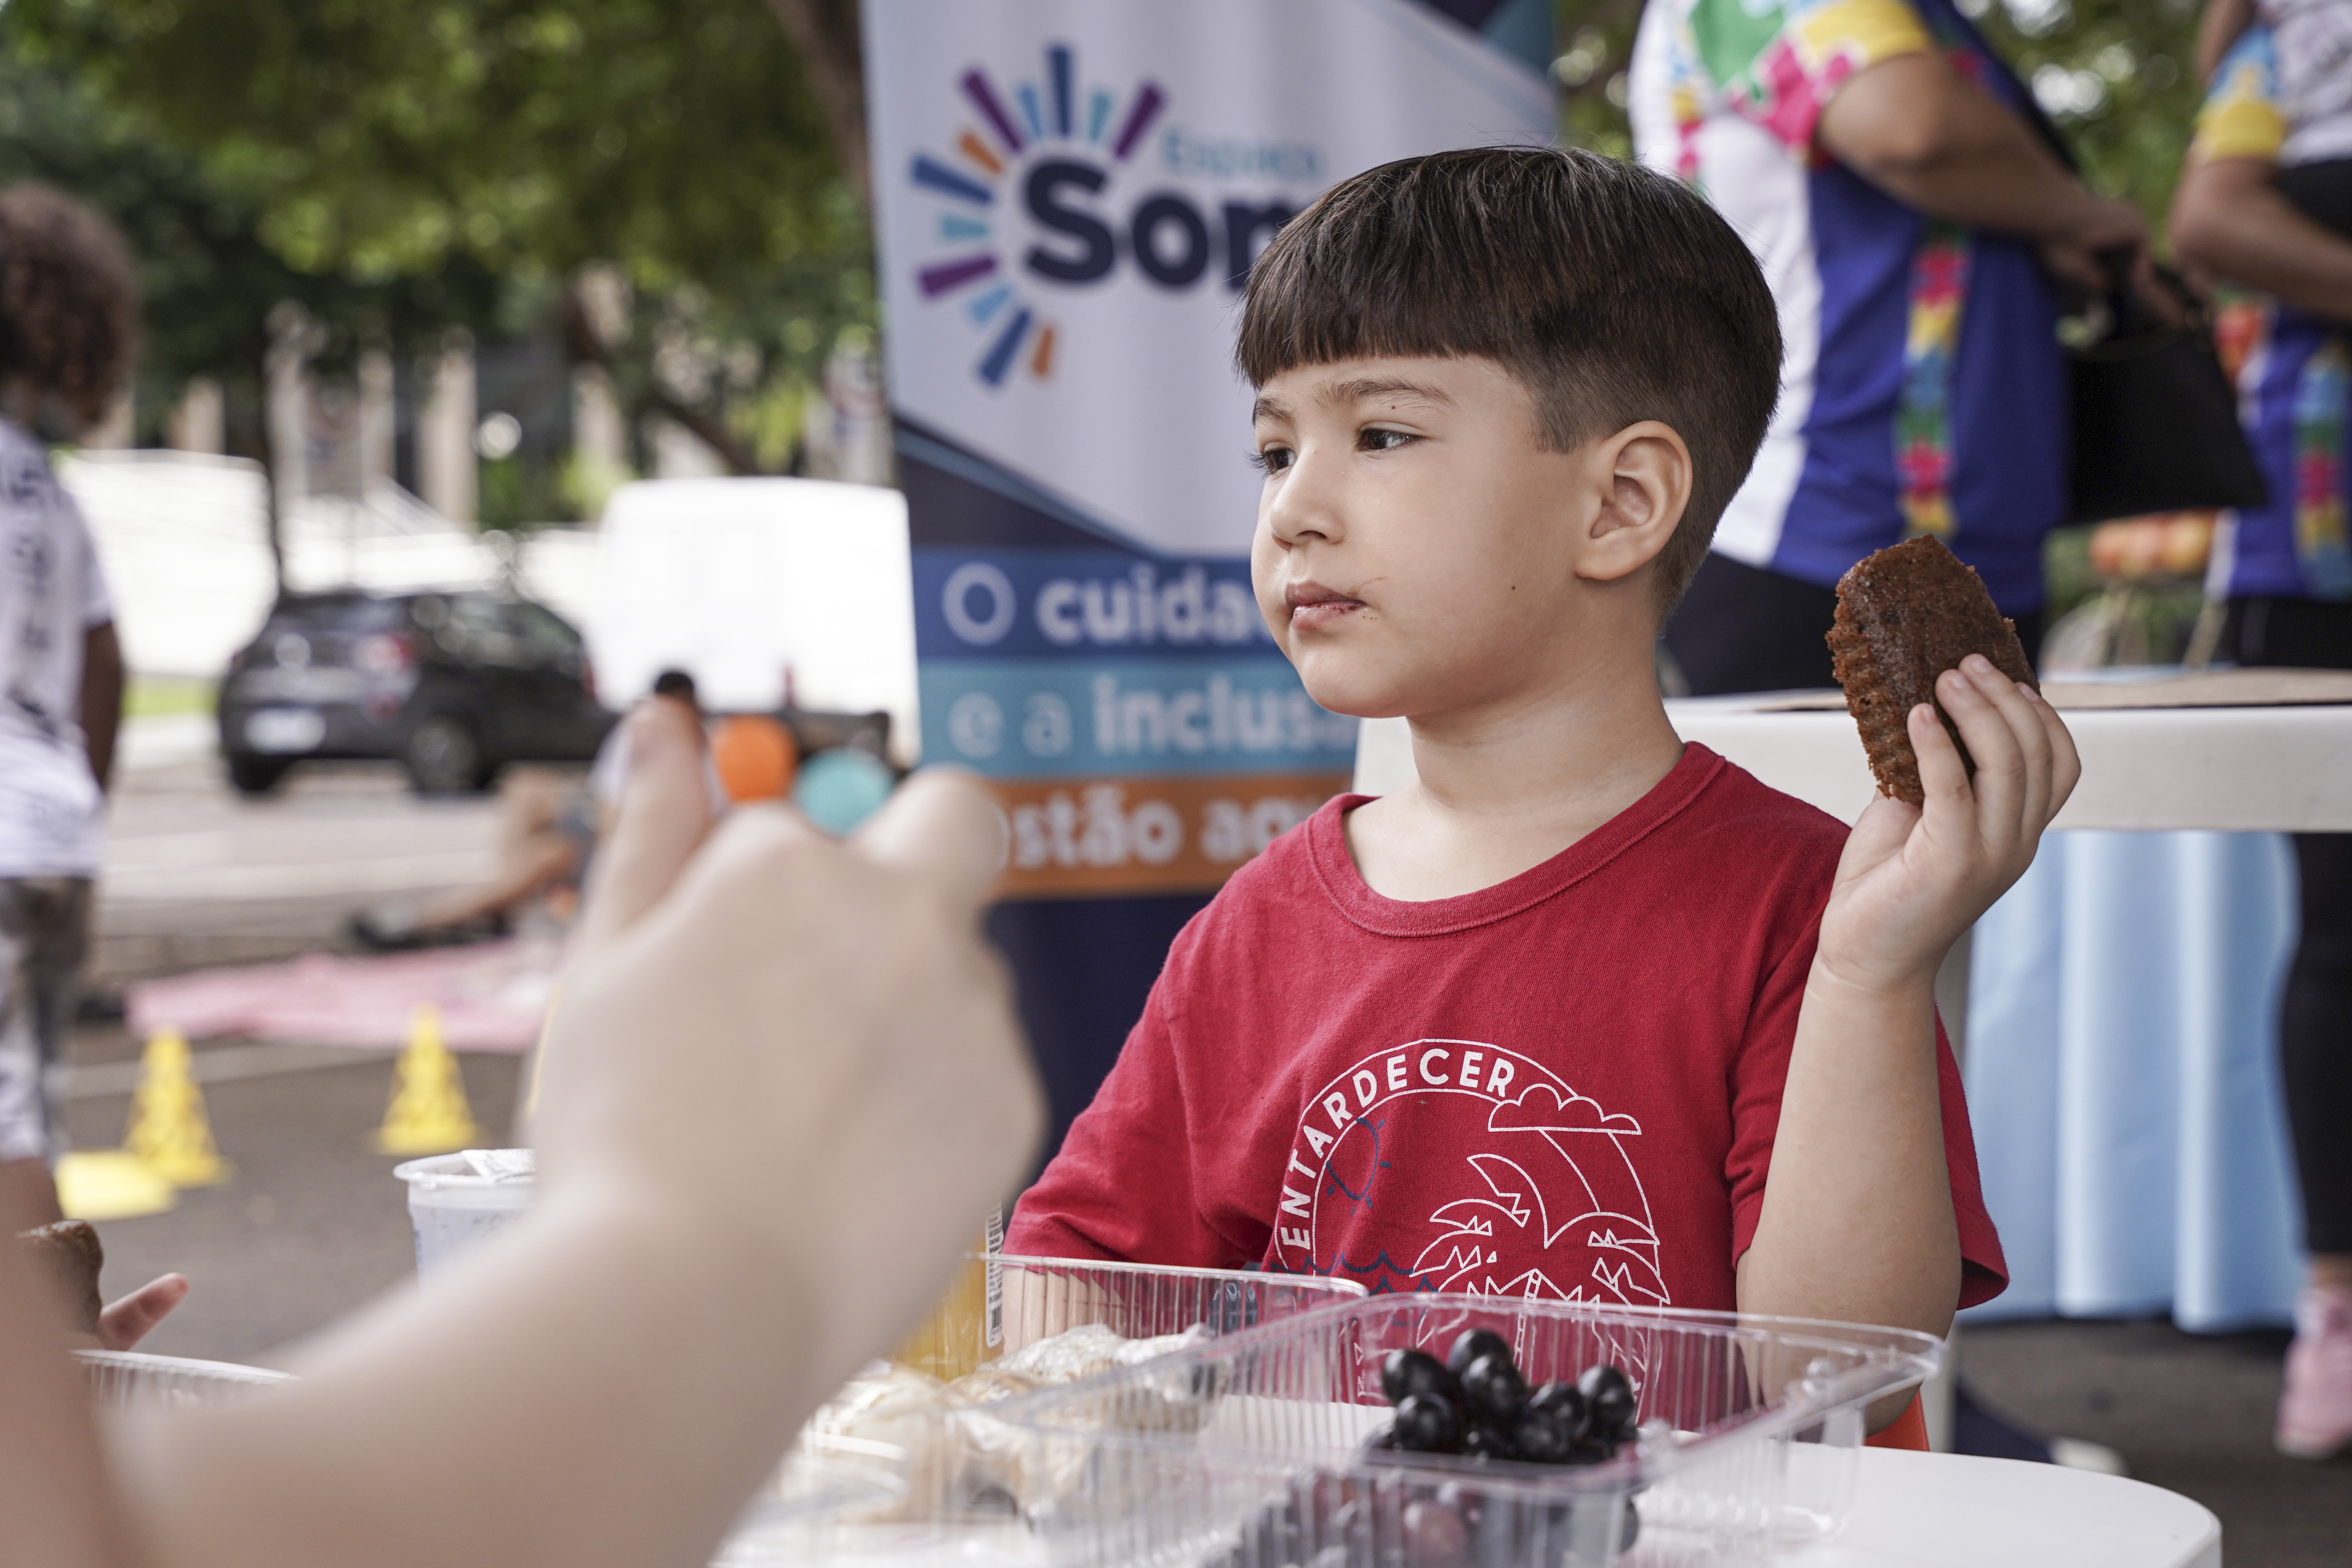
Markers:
point(491, 998)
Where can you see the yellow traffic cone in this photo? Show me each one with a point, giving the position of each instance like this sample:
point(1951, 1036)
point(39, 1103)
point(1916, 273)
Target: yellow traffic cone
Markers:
point(428, 1114)
point(168, 1128)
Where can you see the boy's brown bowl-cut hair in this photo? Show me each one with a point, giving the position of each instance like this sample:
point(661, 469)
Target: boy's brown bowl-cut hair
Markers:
point(68, 303)
point(1614, 294)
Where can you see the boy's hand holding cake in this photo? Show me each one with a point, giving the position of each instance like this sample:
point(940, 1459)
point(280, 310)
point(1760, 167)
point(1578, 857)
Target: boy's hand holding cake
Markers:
point(1905, 615)
point(1971, 763)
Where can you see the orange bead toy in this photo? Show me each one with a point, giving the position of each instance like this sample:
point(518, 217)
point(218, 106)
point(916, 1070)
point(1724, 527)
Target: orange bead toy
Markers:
point(755, 756)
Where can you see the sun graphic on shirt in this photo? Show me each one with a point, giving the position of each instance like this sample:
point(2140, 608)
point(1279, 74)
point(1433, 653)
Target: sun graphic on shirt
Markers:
point(1555, 1214)
point(1545, 1203)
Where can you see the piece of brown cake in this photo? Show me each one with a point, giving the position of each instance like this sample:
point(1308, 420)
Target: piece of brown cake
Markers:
point(73, 1255)
point(1905, 615)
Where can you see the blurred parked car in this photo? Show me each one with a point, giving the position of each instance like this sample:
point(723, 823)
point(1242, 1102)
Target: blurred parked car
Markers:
point(449, 685)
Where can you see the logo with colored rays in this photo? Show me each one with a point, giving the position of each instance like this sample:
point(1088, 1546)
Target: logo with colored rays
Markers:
point(1038, 145)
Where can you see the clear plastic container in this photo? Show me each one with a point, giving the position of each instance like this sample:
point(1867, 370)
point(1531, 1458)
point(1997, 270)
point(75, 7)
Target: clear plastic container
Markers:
point(792, 1520)
point(1000, 1303)
point(802, 1513)
point(118, 1379)
point(1249, 1451)
point(456, 1200)
point(951, 1454)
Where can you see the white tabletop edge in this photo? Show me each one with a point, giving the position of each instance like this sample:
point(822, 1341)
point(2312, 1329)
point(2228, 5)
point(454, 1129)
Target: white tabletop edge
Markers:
point(2239, 769)
point(1928, 1510)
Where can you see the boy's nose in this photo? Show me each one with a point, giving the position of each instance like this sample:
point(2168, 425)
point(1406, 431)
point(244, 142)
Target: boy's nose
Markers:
point(1304, 506)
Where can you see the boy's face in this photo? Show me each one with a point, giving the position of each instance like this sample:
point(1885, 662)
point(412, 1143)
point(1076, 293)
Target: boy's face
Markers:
point(1419, 551)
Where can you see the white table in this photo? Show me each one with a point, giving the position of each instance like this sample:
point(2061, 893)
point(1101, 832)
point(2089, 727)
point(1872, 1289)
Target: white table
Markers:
point(2254, 769)
point(1928, 1510)
point(1910, 1510)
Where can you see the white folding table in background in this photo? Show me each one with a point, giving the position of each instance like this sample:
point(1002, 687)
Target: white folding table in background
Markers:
point(2256, 750)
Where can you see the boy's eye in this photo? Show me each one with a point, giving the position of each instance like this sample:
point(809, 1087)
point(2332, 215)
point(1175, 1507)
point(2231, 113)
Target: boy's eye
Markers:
point(1379, 441)
point(1272, 460)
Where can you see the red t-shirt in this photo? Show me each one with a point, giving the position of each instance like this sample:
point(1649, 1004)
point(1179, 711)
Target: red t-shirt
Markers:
point(1564, 1086)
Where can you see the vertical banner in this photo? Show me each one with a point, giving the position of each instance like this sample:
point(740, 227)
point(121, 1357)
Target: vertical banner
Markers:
point(1068, 194)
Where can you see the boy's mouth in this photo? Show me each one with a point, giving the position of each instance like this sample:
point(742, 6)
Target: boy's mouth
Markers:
point(1314, 607)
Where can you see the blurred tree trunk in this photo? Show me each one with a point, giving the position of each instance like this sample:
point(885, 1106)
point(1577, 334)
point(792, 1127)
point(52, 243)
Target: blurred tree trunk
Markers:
point(824, 33)
point(586, 345)
point(273, 529)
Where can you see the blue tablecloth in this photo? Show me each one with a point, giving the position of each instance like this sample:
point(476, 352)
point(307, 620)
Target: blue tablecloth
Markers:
point(2122, 1073)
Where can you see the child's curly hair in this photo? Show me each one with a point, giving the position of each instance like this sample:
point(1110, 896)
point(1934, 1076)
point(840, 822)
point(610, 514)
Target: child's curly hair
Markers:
point(68, 302)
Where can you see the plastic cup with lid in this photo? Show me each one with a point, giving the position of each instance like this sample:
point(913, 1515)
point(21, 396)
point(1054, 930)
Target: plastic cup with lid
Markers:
point(456, 1200)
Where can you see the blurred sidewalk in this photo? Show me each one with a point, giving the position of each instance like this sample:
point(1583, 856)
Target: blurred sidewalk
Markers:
point(312, 1224)
point(197, 875)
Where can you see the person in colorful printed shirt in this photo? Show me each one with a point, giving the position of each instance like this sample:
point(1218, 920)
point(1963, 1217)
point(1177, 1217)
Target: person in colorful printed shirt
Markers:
point(1916, 233)
point(2280, 114)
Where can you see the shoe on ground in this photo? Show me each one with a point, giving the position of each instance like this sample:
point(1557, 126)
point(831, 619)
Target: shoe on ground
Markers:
point(464, 933)
point(2315, 1419)
point(388, 928)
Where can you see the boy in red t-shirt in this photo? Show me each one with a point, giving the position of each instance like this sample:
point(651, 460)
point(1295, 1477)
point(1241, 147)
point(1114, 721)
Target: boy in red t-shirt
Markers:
point(1584, 1014)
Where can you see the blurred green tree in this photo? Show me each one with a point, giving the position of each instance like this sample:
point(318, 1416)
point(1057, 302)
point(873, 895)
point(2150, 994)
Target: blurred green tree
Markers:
point(676, 141)
point(2117, 76)
point(207, 278)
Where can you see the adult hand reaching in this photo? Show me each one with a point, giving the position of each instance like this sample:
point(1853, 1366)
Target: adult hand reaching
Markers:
point(2098, 231)
point(699, 950)
point(782, 1081)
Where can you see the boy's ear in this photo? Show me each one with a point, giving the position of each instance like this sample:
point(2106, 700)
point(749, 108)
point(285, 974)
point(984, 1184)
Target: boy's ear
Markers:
point(1644, 472)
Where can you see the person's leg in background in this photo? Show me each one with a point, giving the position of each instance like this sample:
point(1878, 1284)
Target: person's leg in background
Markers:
point(2315, 1076)
point(44, 941)
point(541, 849)
point(2315, 1052)
point(534, 851)
point(44, 935)
point(1746, 628)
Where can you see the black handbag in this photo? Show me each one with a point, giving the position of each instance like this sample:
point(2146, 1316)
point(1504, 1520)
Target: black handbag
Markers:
point(2155, 419)
point(2150, 403)
point(2321, 192)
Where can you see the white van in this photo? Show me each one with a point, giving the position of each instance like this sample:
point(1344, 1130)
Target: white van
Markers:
point(737, 581)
